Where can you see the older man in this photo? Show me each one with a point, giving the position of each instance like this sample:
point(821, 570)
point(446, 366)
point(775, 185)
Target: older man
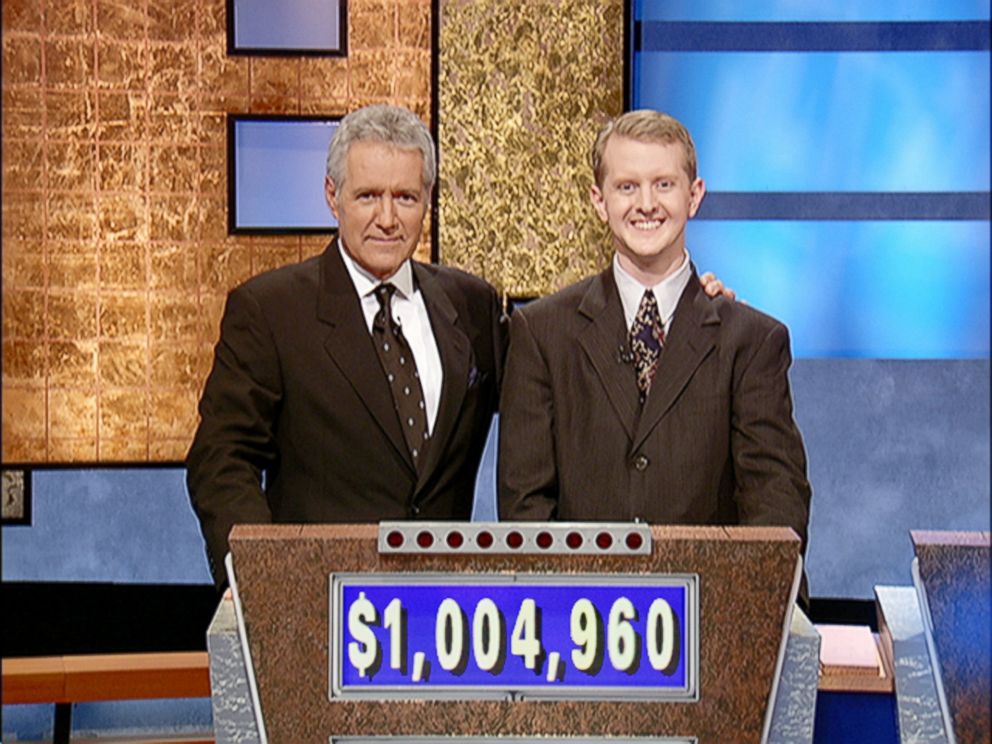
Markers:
point(359, 382)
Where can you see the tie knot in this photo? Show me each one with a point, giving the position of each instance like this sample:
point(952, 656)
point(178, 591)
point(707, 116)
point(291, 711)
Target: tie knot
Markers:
point(649, 305)
point(648, 318)
point(384, 317)
point(384, 293)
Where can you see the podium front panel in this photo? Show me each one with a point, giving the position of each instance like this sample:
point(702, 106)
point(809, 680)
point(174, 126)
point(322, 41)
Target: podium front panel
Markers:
point(743, 583)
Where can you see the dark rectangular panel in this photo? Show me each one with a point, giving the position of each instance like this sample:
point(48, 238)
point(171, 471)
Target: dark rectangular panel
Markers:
point(844, 205)
point(287, 27)
point(702, 36)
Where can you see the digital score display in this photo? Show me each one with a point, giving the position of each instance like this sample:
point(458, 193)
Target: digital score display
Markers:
point(535, 636)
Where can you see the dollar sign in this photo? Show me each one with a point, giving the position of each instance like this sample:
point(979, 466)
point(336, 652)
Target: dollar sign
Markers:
point(363, 652)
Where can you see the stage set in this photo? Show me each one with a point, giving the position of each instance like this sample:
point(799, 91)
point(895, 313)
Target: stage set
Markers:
point(160, 154)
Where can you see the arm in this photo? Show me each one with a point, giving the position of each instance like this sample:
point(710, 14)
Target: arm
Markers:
point(235, 442)
point(769, 457)
point(528, 478)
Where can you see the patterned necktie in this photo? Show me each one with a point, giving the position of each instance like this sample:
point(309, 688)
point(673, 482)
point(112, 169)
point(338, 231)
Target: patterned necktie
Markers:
point(401, 372)
point(647, 335)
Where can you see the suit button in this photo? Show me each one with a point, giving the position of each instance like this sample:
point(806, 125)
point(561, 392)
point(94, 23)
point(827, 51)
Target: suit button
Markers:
point(415, 510)
point(641, 463)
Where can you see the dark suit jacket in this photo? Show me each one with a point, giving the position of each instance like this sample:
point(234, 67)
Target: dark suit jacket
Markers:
point(715, 443)
point(297, 392)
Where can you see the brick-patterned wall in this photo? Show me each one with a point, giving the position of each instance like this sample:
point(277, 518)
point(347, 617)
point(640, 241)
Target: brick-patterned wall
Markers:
point(116, 257)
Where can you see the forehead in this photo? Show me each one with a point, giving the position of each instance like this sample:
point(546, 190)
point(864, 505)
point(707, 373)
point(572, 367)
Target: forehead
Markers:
point(628, 156)
point(371, 162)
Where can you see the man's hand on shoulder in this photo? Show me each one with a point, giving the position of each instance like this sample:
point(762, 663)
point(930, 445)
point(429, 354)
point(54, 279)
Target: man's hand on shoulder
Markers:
point(713, 286)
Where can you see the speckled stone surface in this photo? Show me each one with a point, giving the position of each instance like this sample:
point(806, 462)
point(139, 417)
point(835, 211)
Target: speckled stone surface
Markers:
point(746, 581)
point(230, 697)
point(955, 571)
point(795, 700)
point(523, 87)
point(900, 629)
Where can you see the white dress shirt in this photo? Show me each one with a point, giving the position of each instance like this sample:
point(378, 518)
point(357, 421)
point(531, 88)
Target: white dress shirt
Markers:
point(666, 292)
point(410, 313)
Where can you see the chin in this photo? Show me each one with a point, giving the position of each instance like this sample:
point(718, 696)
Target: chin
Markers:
point(648, 251)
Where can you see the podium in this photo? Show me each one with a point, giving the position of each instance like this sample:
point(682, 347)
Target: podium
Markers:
point(952, 574)
point(938, 637)
point(458, 632)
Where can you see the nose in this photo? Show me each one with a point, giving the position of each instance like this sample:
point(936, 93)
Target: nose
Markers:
point(386, 214)
point(645, 200)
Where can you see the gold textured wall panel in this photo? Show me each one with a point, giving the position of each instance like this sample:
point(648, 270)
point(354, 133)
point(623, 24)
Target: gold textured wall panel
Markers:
point(116, 257)
point(523, 87)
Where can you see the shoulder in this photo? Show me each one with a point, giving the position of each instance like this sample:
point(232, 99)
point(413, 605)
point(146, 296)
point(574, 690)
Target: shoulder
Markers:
point(454, 279)
point(739, 314)
point(743, 326)
point(554, 307)
point(468, 295)
point(562, 314)
point(282, 284)
point(277, 298)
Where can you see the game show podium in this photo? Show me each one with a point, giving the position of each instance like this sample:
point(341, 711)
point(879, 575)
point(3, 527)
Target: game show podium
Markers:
point(937, 636)
point(524, 632)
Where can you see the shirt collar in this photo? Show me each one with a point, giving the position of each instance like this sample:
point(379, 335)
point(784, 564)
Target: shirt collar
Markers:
point(365, 282)
point(666, 292)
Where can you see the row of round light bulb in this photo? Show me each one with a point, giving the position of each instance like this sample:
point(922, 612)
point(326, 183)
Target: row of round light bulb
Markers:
point(471, 537)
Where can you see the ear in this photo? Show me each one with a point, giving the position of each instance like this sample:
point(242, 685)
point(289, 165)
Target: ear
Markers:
point(696, 193)
point(330, 194)
point(598, 202)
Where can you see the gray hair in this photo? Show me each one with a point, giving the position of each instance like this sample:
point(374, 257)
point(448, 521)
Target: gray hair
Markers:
point(391, 125)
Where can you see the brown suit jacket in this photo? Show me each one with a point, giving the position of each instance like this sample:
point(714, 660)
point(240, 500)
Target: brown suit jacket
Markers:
point(297, 392)
point(715, 442)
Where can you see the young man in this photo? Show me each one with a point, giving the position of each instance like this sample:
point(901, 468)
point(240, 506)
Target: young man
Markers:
point(632, 395)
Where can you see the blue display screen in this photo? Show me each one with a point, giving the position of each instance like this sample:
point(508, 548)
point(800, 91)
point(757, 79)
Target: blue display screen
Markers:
point(848, 180)
point(279, 167)
point(494, 635)
point(850, 121)
point(292, 25)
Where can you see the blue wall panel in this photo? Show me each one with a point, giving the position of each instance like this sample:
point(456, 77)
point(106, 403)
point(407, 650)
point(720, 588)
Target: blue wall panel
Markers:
point(859, 289)
point(853, 121)
point(108, 525)
point(893, 446)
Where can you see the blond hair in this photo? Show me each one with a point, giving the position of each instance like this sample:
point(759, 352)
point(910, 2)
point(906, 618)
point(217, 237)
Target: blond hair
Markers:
point(644, 125)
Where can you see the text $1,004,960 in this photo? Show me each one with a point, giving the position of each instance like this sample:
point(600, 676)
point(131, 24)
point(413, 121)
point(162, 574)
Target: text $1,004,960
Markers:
point(607, 637)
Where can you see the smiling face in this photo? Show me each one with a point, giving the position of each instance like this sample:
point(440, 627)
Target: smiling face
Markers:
point(381, 207)
point(646, 198)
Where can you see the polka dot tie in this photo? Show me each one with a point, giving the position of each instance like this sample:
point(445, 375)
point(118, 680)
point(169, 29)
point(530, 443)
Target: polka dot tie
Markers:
point(401, 373)
point(647, 336)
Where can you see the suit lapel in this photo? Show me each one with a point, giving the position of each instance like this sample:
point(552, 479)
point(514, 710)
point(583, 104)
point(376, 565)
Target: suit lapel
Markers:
point(691, 338)
point(349, 345)
point(456, 359)
point(604, 341)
